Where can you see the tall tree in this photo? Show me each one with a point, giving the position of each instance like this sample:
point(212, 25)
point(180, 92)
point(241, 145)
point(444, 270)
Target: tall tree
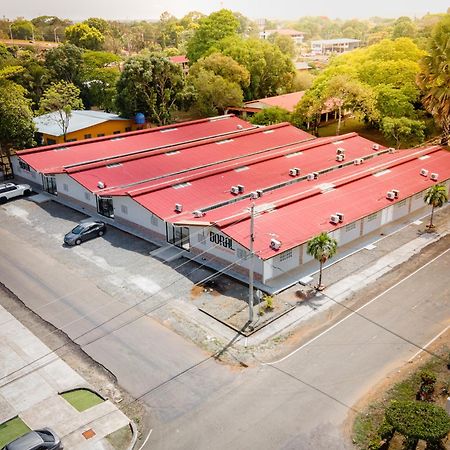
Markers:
point(436, 196)
point(65, 63)
point(61, 98)
point(402, 130)
point(22, 29)
point(151, 85)
point(434, 78)
point(269, 116)
point(84, 36)
point(211, 29)
point(322, 247)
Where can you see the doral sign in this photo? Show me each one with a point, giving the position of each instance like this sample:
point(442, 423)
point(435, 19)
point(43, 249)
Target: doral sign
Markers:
point(224, 241)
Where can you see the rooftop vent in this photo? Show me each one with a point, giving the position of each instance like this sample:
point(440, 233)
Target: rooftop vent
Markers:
point(178, 207)
point(101, 185)
point(375, 147)
point(197, 213)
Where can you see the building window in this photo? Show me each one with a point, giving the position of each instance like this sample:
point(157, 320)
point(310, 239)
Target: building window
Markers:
point(105, 206)
point(401, 204)
point(100, 134)
point(65, 187)
point(124, 209)
point(24, 166)
point(87, 196)
point(350, 226)
point(286, 255)
point(372, 217)
point(127, 129)
point(51, 141)
point(116, 132)
point(154, 220)
point(201, 237)
point(70, 140)
point(241, 254)
point(87, 136)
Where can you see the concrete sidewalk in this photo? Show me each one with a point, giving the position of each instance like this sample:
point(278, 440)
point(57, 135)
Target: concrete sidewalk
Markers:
point(31, 379)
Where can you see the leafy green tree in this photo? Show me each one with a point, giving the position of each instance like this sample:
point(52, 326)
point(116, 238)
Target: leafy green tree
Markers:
point(211, 29)
point(224, 66)
point(99, 24)
point(284, 43)
point(303, 80)
point(84, 36)
point(61, 98)
point(151, 85)
point(436, 196)
point(322, 247)
point(404, 27)
point(269, 116)
point(307, 113)
point(214, 93)
point(22, 29)
point(271, 72)
point(434, 78)
point(16, 118)
point(65, 63)
point(402, 130)
point(169, 31)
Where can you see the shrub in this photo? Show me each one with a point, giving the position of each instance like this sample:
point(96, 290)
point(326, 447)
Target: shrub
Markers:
point(418, 420)
point(426, 388)
point(269, 301)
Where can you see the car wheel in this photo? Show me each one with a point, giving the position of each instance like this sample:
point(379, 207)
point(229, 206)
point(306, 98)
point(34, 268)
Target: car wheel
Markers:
point(78, 242)
point(101, 233)
point(2, 200)
point(26, 192)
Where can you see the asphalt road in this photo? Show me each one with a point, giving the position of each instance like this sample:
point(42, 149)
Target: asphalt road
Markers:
point(302, 401)
point(298, 402)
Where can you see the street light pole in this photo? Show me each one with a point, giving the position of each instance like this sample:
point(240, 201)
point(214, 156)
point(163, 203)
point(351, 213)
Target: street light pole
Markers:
point(250, 264)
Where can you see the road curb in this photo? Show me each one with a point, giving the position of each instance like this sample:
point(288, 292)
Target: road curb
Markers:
point(134, 435)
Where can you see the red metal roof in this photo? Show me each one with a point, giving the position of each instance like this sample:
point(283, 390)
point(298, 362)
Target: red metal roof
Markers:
point(124, 173)
point(54, 158)
point(179, 59)
point(285, 101)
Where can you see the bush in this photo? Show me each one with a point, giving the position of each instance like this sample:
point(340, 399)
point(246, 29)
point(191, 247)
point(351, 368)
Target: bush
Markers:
point(269, 301)
point(418, 420)
point(426, 388)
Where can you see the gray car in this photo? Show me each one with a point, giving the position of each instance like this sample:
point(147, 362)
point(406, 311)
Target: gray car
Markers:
point(43, 439)
point(84, 231)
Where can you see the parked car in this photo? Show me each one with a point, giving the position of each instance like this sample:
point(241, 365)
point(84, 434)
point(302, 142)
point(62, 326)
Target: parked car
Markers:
point(85, 231)
point(11, 190)
point(43, 439)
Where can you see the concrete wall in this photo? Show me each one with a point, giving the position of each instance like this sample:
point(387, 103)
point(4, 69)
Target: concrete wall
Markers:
point(69, 190)
point(24, 176)
point(282, 263)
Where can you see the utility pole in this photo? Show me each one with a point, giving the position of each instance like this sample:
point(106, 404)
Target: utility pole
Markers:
point(250, 264)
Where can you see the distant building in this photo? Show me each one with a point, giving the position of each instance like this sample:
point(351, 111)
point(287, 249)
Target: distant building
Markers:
point(340, 45)
point(301, 66)
point(297, 36)
point(82, 125)
point(181, 60)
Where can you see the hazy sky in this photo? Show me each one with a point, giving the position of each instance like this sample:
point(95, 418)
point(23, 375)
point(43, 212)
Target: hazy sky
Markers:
point(277, 9)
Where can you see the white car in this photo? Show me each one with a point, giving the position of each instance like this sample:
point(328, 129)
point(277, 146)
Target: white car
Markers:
point(11, 190)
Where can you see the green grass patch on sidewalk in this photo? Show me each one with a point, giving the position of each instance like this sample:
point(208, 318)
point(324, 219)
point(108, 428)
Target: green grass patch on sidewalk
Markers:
point(11, 430)
point(82, 399)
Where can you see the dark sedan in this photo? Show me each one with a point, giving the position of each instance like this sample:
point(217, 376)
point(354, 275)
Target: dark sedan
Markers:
point(36, 440)
point(85, 231)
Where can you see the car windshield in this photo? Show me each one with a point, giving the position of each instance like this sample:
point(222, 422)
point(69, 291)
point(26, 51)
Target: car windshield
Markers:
point(78, 229)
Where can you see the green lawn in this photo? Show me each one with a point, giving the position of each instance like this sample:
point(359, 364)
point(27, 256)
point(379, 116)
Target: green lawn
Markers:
point(349, 125)
point(11, 430)
point(82, 399)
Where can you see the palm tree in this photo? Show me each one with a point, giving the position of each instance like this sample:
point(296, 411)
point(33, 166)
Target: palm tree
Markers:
point(322, 247)
point(434, 78)
point(436, 196)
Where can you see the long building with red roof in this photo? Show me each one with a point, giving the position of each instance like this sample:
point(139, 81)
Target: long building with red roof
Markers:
point(192, 185)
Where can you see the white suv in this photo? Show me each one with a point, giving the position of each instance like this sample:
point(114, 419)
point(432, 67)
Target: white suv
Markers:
point(11, 190)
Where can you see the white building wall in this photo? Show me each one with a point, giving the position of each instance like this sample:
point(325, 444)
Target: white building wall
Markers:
point(282, 263)
point(128, 210)
point(400, 209)
point(25, 175)
point(387, 214)
point(70, 190)
point(371, 222)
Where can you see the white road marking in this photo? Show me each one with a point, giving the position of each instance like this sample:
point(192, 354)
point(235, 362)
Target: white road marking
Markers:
point(429, 343)
point(354, 312)
point(146, 439)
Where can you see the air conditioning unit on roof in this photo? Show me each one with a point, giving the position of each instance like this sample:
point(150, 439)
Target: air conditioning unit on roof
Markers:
point(254, 195)
point(434, 176)
point(391, 150)
point(358, 161)
point(316, 175)
point(197, 213)
point(376, 147)
point(275, 244)
point(240, 188)
point(340, 151)
point(424, 172)
point(294, 172)
point(101, 185)
point(334, 219)
point(341, 216)
point(396, 192)
point(310, 176)
point(260, 192)
point(178, 207)
point(234, 190)
point(340, 157)
point(390, 195)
